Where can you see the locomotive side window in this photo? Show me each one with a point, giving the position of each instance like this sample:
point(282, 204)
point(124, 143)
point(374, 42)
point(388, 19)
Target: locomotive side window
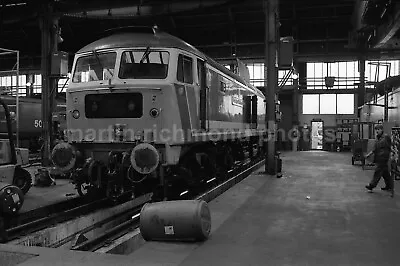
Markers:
point(144, 64)
point(115, 105)
point(222, 86)
point(94, 67)
point(185, 69)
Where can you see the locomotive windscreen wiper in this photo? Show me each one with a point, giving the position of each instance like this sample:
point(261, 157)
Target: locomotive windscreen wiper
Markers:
point(99, 62)
point(146, 54)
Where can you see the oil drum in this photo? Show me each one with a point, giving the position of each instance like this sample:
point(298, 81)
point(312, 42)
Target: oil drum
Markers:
point(182, 220)
point(11, 198)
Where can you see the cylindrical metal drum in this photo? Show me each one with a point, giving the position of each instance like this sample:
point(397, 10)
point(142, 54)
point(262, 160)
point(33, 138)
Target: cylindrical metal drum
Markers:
point(11, 198)
point(183, 220)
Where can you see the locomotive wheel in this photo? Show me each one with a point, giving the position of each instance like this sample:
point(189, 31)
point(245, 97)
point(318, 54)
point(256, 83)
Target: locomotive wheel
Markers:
point(88, 187)
point(88, 191)
point(227, 162)
point(202, 168)
point(22, 179)
point(188, 170)
point(183, 186)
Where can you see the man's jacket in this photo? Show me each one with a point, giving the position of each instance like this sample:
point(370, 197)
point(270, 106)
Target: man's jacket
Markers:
point(382, 149)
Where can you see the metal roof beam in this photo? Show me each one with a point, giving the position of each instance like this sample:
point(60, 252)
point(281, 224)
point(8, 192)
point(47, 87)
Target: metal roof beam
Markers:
point(386, 31)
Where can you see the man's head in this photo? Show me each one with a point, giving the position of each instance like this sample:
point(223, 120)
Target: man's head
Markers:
point(379, 129)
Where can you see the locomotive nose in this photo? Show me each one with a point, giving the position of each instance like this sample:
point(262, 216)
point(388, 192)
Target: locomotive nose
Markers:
point(144, 158)
point(63, 156)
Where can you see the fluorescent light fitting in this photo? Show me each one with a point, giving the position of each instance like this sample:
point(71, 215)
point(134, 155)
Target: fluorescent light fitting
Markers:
point(16, 4)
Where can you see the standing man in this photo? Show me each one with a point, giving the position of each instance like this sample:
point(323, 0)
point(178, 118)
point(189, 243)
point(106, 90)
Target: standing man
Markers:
point(381, 153)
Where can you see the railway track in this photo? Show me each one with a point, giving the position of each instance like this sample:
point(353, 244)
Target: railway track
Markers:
point(42, 227)
point(132, 223)
point(37, 219)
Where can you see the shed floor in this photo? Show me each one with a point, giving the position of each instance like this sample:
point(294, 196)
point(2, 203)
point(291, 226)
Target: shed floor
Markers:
point(319, 213)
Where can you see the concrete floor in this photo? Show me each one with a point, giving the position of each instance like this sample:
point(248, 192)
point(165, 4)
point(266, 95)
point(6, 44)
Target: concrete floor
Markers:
point(340, 223)
point(38, 196)
point(319, 213)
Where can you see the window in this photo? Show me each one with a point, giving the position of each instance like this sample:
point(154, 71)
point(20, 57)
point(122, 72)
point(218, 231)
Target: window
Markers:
point(310, 104)
point(282, 74)
point(37, 85)
point(222, 87)
point(144, 64)
point(379, 70)
point(256, 73)
point(327, 103)
point(345, 73)
point(345, 104)
point(62, 84)
point(94, 67)
point(185, 69)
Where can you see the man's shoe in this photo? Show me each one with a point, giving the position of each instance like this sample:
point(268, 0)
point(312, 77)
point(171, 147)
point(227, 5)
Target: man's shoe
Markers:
point(386, 189)
point(369, 187)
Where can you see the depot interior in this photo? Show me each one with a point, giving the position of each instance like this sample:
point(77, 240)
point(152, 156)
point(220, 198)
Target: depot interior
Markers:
point(338, 60)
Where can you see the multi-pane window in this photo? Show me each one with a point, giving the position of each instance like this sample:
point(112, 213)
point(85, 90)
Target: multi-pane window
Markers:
point(376, 71)
point(257, 75)
point(256, 72)
point(345, 74)
point(62, 84)
point(328, 104)
point(283, 76)
point(8, 84)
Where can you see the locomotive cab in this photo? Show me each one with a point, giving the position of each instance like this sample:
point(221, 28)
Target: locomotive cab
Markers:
point(114, 108)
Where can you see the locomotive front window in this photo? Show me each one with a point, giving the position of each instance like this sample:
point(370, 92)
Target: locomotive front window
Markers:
point(94, 67)
point(114, 105)
point(144, 64)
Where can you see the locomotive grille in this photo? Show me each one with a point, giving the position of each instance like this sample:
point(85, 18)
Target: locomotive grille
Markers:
point(114, 105)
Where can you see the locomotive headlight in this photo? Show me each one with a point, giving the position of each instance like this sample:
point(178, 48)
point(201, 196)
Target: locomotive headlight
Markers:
point(154, 112)
point(144, 158)
point(63, 156)
point(76, 114)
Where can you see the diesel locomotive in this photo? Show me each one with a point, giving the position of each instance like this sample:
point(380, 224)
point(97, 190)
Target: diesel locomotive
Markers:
point(147, 111)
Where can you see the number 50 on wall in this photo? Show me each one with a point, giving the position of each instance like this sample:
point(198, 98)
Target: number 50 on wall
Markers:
point(38, 123)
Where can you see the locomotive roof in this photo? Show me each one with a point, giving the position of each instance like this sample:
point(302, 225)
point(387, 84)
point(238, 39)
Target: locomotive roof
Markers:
point(131, 39)
point(158, 39)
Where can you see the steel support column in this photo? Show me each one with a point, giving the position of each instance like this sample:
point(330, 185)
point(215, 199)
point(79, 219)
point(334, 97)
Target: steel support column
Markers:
point(46, 23)
point(271, 73)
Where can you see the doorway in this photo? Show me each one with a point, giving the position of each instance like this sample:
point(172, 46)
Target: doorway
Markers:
point(317, 135)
